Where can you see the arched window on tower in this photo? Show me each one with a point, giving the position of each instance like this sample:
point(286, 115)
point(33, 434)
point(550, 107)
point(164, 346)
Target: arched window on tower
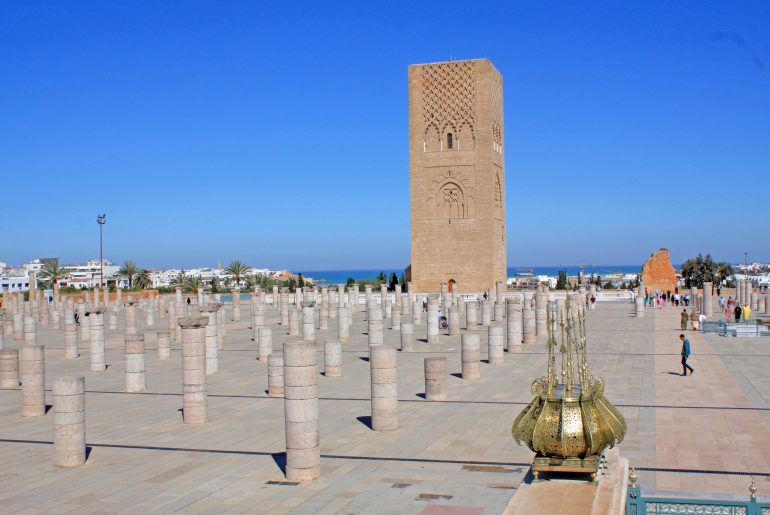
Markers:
point(449, 141)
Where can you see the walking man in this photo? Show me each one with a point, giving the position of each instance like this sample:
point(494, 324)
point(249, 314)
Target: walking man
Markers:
point(683, 320)
point(685, 355)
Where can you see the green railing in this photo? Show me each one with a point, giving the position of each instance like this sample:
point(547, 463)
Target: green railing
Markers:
point(637, 504)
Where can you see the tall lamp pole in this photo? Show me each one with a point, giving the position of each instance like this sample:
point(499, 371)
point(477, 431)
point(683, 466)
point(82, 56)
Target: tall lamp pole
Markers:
point(101, 220)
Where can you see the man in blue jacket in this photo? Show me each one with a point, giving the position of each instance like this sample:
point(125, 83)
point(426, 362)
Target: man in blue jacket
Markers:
point(685, 355)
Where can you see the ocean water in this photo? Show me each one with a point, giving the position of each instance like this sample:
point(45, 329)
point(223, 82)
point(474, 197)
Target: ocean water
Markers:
point(341, 276)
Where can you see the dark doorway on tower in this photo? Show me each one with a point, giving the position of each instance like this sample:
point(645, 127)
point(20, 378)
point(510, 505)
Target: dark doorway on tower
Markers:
point(452, 284)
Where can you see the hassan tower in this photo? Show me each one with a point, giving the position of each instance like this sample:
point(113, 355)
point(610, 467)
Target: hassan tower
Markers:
point(457, 175)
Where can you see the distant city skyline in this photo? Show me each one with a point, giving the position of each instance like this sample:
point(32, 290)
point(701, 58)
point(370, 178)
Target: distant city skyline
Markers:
point(277, 133)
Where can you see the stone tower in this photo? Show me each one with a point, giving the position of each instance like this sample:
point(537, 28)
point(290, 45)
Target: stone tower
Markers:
point(457, 175)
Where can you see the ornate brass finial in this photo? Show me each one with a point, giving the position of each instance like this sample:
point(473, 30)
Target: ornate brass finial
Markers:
point(753, 489)
point(632, 478)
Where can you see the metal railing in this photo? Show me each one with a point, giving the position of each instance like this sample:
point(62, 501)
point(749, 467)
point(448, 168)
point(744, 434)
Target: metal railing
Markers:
point(639, 504)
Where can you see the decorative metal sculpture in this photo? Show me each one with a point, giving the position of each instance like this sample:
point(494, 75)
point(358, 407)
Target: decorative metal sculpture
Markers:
point(569, 423)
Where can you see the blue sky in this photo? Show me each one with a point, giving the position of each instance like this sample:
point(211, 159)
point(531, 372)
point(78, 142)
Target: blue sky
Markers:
point(277, 133)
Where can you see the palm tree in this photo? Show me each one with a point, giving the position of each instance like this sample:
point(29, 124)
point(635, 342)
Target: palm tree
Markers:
point(261, 280)
point(179, 279)
point(238, 270)
point(192, 284)
point(53, 272)
point(142, 280)
point(129, 270)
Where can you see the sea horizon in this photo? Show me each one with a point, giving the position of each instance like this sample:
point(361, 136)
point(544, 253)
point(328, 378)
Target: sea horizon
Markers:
point(341, 276)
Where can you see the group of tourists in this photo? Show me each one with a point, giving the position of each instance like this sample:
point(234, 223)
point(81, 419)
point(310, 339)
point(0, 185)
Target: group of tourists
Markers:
point(659, 298)
point(733, 309)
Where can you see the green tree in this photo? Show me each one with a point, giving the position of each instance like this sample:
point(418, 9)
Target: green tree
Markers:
point(52, 272)
point(142, 280)
point(350, 282)
point(129, 271)
point(191, 284)
point(702, 269)
point(300, 281)
point(238, 270)
point(393, 282)
point(562, 283)
point(402, 281)
point(179, 279)
point(608, 286)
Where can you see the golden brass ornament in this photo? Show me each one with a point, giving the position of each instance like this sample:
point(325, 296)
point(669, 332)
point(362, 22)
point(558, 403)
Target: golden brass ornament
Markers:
point(569, 422)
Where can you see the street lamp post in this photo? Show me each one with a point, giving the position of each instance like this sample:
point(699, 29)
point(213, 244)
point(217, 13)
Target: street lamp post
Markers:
point(101, 220)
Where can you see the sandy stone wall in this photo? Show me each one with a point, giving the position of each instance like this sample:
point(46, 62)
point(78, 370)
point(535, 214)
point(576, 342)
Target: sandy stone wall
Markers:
point(658, 272)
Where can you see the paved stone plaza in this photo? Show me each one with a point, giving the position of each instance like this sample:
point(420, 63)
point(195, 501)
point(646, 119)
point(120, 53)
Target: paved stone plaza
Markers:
point(454, 453)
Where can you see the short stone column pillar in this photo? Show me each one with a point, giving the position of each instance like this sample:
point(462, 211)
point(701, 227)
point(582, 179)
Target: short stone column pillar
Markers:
point(435, 378)
point(382, 364)
point(343, 326)
point(300, 407)
point(236, 304)
point(212, 350)
point(164, 345)
point(486, 314)
point(395, 318)
point(323, 318)
point(433, 334)
point(194, 409)
point(495, 344)
point(259, 315)
point(70, 337)
point(513, 324)
point(470, 355)
point(754, 301)
point(264, 343)
point(69, 421)
point(172, 325)
point(129, 316)
point(541, 314)
point(406, 308)
point(32, 374)
point(417, 313)
point(112, 319)
point(18, 325)
point(375, 327)
point(639, 303)
point(454, 321)
point(407, 336)
point(9, 369)
point(529, 325)
point(30, 330)
point(96, 328)
point(332, 358)
point(275, 375)
point(294, 326)
point(499, 310)
point(308, 320)
point(471, 315)
point(136, 380)
point(149, 313)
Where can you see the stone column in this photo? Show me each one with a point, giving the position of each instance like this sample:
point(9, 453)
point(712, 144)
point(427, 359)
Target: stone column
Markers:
point(9, 369)
point(486, 314)
point(8, 325)
point(265, 343)
point(343, 326)
point(300, 406)
point(135, 367)
point(96, 329)
point(275, 375)
point(18, 325)
point(471, 315)
point(382, 365)
point(499, 310)
point(32, 365)
point(308, 320)
point(495, 344)
point(149, 313)
point(395, 318)
point(417, 313)
point(212, 350)
point(433, 334)
point(375, 327)
point(514, 324)
point(639, 302)
point(435, 379)
point(172, 325)
point(30, 330)
point(69, 421)
point(541, 314)
point(332, 358)
point(708, 299)
point(236, 294)
point(70, 336)
point(368, 293)
point(164, 345)
point(528, 320)
point(284, 307)
point(454, 321)
point(194, 369)
point(294, 325)
point(754, 301)
point(470, 354)
point(129, 315)
point(323, 318)
point(407, 336)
